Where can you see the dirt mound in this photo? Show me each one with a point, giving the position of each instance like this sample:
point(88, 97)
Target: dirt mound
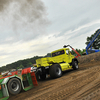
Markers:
point(89, 58)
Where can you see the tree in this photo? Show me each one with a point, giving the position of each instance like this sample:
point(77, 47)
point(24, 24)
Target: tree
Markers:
point(48, 55)
point(96, 43)
point(79, 51)
point(21, 66)
point(29, 64)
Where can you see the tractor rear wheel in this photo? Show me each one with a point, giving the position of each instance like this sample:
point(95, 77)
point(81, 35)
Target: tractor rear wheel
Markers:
point(55, 71)
point(14, 86)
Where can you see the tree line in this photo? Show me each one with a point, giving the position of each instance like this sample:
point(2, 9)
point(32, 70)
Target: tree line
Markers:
point(22, 63)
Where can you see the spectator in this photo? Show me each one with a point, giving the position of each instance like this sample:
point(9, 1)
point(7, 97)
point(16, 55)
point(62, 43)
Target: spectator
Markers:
point(6, 74)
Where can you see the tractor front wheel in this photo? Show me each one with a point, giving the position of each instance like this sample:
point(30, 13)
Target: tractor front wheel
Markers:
point(43, 76)
point(75, 65)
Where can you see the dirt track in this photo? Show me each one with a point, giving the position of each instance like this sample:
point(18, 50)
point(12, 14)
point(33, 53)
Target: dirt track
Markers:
point(82, 84)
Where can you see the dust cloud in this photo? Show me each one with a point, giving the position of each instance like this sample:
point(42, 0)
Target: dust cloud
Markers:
point(28, 17)
point(4, 4)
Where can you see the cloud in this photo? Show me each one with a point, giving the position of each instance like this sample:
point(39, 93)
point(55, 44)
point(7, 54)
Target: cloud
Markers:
point(3, 4)
point(23, 20)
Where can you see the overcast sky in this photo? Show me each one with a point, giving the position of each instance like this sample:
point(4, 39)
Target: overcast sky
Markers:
point(37, 27)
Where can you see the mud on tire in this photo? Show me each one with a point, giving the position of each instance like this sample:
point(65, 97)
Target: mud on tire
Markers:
point(55, 71)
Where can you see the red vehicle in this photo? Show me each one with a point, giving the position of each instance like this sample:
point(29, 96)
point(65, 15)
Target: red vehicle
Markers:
point(16, 81)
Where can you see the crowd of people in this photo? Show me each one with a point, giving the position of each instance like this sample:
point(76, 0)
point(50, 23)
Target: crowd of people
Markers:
point(4, 74)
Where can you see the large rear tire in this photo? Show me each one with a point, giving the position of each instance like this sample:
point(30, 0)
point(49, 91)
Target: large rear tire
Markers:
point(55, 71)
point(14, 86)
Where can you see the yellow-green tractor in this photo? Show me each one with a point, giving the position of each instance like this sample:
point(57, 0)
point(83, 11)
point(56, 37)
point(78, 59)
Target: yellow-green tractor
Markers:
point(60, 60)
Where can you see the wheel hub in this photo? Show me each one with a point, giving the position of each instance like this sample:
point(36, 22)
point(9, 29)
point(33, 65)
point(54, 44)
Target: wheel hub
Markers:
point(58, 71)
point(76, 65)
point(14, 86)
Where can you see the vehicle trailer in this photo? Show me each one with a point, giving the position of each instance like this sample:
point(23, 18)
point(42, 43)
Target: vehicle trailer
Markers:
point(60, 60)
point(13, 84)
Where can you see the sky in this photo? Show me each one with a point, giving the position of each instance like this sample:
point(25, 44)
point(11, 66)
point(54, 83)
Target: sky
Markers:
point(31, 28)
